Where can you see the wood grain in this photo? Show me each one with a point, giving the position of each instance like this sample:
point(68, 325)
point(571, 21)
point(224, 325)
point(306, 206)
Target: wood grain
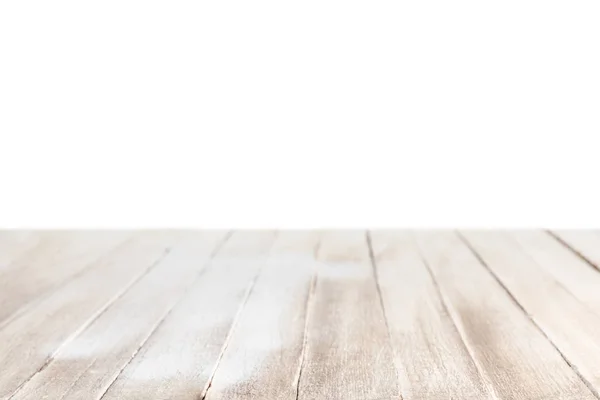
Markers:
point(577, 276)
point(348, 353)
point(430, 354)
point(299, 315)
point(515, 358)
point(179, 359)
point(55, 258)
point(572, 327)
point(31, 340)
point(14, 243)
point(585, 242)
point(264, 354)
point(88, 364)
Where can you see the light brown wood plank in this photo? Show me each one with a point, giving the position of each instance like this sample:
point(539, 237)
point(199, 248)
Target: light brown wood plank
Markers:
point(14, 243)
point(87, 365)
point(178, 360)
point(433, 361)
point(348, 353)
point(585, 242)
point(263, 357)
point(572, 327)
point(576, 275)
point(56, 258)
point(32, 339)
point(514, 357)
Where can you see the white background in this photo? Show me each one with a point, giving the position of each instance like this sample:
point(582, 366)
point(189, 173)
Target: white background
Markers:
point(299, 114)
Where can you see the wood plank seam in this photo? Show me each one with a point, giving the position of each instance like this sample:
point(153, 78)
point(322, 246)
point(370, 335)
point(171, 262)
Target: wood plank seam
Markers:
point(308, 307)
point(90, 320)
point(524, 251)
point(152, 331)
point(206, 389)
point(574, 250)
point(309, 304)
point(21, 310)
point(444, 301)
point(251, 285)
point(385, 315)
point(568, 290)
point(513, 298)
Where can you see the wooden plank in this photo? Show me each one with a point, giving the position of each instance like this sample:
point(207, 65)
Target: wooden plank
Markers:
point(13, 243)
point(30, 341)
point(88, 364)
point(433, 361)
point(178, 360)
point(263, 357)
point(572, 327)
point(56, 258)
point(576, 275)
point(514, 357)
point(40, 246)
point(23, 250)
point(348, 353)
point(586, 243)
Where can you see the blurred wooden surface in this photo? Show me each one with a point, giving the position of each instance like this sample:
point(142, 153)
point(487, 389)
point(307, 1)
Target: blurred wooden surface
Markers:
point(321, 315)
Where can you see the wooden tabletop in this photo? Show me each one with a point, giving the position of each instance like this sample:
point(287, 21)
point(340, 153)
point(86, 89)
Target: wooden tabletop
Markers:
point(308, 315)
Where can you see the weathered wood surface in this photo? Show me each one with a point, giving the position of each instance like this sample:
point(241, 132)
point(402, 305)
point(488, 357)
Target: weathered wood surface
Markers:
point(179, 360)
point(514, 357)
point(348, 353)
point(584, 243)
point(32, 339)
point(36, 269)
point(567, 322)
point(579, 277)
point(299, 315)
point(264, 354)
point(89, 363)
point(430, 353)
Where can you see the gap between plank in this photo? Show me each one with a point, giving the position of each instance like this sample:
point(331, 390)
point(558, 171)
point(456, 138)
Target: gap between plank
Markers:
point(309, 301)
point(208, 385)
point(308, 308)
point(87, 323)
point(385, 317)
point(534, 261)
point(574, 250)
point(514, 299)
